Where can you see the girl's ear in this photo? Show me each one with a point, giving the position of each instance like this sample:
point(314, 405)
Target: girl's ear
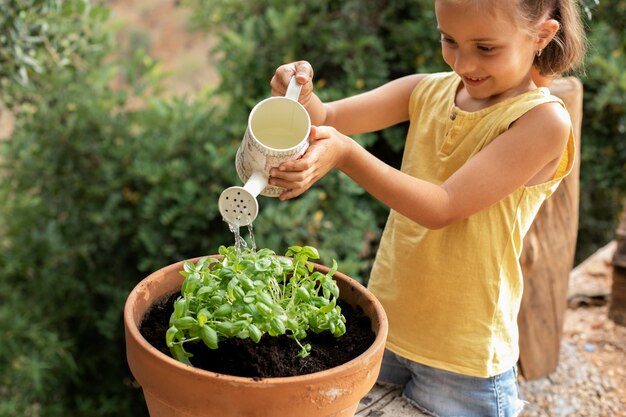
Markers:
point(546, 32)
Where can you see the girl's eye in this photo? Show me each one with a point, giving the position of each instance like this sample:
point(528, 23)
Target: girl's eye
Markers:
point(485, 48)
point(445, 39)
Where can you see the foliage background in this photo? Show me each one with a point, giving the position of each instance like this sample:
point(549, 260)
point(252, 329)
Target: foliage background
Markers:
point(96, 193)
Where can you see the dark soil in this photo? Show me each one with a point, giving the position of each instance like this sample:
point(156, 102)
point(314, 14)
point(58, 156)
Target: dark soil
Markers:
point(272, 356)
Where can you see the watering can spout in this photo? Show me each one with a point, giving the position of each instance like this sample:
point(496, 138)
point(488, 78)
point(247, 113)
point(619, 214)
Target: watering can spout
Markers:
point(256, 183)
point(238, 205)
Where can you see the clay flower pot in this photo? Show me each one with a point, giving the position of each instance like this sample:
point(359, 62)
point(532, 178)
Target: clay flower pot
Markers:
point(173, 389)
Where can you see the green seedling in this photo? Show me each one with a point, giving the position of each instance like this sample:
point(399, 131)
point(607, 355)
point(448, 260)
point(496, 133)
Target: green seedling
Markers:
point(249, 294)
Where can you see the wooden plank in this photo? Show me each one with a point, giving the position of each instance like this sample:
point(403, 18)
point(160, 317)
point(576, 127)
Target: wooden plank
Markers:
point(617, 308)
point(386, 401)
point(548, 257)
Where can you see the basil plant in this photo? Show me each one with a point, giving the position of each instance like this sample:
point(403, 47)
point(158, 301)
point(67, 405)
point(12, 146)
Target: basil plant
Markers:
point(248, 294)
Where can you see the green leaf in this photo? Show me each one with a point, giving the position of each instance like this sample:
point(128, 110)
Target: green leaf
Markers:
point(302, 294)
point(293, 250)
point(209, 337)
point(180, 354)
point(332, 270)
point(340, 328)
point(170, 335)
point(202, 316)
point(223, 310)
point(188, 266)
point(255, 333)
point(310, 252)
point(263, 264)
point(227, 328)
point(264, 310)
point(277, 327)
point(265, 298)
point(180, 307)
point(185, 323)
point(190, 284)
point(328, 307)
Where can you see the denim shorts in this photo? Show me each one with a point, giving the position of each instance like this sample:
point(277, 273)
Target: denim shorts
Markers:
point(447, 394)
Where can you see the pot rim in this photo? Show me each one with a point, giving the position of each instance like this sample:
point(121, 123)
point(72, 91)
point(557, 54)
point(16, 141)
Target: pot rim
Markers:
point(132, 330)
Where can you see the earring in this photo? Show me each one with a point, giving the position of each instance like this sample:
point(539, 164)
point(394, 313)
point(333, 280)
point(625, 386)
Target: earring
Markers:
point(539, 53)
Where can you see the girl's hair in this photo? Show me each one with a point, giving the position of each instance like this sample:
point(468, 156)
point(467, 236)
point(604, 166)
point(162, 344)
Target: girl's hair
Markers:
point(566, 51)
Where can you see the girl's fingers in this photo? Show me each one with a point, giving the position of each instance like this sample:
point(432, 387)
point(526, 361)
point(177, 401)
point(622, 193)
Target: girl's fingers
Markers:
point(297, 175)
point(288, 175)
point(319, 132)
point(293, 187)
point(285, 182)
point(302, 70)
point(304, 163)
point(290, 194)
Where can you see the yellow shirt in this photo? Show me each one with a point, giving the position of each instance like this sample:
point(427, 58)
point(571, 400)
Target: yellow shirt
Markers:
point(452, 295)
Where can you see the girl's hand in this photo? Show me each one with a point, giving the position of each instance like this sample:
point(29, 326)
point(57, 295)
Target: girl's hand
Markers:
point(304, 75)
point(327, 149)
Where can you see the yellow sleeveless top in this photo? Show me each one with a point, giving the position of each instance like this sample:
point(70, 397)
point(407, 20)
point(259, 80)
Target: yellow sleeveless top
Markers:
point(452, 295)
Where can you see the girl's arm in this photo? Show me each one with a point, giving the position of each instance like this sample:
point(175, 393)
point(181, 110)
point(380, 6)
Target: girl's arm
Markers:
point(367, 112)
point(526, 154)
point(373, 110)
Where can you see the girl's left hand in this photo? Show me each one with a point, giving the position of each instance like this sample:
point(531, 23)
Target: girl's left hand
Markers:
point(325, 152)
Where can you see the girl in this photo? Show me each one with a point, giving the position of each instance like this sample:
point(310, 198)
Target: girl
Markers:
point(485, 148)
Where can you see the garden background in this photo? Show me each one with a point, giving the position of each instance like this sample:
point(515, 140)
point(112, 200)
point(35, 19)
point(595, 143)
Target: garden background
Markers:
point(107, 175)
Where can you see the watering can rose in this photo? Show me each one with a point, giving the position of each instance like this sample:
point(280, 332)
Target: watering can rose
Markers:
point(248, 294)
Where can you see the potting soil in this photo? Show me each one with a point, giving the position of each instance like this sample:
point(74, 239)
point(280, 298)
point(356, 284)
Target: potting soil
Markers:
point(272, 356)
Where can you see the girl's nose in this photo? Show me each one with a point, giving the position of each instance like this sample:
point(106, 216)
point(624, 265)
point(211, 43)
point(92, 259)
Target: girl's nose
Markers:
point(463, 64)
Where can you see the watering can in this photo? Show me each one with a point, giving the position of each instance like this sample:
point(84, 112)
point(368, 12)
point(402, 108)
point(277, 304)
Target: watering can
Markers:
point(278, 130)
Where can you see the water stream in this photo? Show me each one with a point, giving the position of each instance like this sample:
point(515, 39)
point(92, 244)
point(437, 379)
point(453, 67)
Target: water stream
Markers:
point(240, 241)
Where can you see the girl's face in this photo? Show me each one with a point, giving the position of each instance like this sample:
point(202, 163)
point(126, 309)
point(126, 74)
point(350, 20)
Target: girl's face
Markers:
point(486, 48)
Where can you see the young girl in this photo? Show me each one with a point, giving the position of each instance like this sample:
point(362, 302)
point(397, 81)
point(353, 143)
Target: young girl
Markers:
point(485, 148)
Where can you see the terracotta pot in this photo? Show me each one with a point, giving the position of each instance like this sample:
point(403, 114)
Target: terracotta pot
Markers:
point(173, 389)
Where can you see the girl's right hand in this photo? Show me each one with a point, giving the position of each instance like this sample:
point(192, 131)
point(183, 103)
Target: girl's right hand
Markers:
point(328, 150)
point(304, 75)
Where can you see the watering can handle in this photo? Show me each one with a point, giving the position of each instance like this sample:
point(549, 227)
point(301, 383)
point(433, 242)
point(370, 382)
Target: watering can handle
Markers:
point(293, 89)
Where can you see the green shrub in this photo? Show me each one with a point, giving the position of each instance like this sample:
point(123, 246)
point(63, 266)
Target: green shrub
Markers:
point(95, 198)
point(603, 162)
point(39, 37)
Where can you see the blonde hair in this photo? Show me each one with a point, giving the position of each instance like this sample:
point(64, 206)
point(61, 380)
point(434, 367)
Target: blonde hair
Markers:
point(566, 51)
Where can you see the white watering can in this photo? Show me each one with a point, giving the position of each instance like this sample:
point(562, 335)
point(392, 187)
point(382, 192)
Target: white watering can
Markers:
point(278, 130)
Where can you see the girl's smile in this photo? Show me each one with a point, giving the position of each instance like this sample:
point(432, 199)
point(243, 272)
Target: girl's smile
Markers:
point(473, 81)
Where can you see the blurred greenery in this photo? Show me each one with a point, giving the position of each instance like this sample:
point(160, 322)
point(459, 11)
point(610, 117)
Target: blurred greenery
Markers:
point(603, 159)
point(96, 192)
